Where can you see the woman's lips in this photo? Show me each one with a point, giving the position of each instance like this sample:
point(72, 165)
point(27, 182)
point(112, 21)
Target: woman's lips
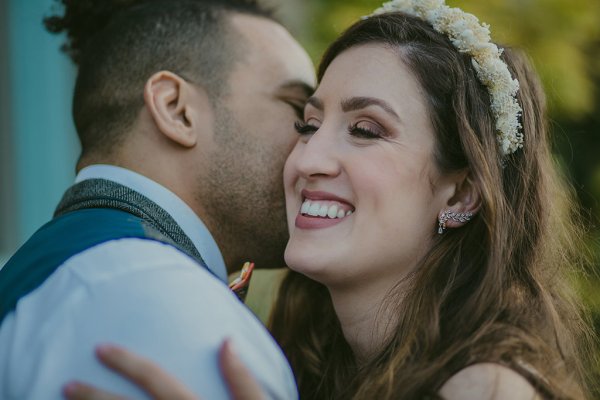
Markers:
point(310, 222)
point(326, 196)
point(321, 214)
point(321, 210)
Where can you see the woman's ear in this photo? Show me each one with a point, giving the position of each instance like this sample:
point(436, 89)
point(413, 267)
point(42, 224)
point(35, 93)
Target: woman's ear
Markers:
point(169, 100)
point(463, 205)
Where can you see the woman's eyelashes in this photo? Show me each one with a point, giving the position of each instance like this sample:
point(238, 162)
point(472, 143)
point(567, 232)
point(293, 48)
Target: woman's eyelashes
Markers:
point(305, 128)
point(361, 129)
point(365, 130)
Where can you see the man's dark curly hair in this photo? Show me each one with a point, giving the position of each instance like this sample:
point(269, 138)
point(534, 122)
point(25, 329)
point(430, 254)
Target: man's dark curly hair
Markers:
point(118, 44)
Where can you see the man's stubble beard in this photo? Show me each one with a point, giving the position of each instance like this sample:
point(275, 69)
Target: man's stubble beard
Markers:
point(243, 196)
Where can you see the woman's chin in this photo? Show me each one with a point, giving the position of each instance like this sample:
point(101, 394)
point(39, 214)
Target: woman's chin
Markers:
point(313, 266)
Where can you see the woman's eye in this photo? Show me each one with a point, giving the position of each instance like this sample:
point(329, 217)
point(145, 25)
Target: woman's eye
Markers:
point(304, 128)
point(365, 130)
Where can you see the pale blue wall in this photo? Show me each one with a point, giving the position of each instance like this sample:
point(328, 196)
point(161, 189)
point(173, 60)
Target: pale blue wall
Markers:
point(43, 143)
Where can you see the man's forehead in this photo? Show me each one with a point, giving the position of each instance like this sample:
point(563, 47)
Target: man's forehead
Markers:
point(272, 59)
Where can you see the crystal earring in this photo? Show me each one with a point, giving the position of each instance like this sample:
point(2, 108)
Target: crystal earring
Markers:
point(454, 216)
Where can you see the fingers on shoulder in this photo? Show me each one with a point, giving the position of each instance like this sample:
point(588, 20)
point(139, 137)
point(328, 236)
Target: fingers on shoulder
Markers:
point(240, 382)
point(151, 378)
point(488, 381)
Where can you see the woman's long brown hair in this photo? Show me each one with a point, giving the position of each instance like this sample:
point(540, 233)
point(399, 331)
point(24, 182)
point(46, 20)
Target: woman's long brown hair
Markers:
point(497, 290)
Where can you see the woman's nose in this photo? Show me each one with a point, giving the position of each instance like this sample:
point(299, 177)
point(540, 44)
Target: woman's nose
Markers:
point(318, 156)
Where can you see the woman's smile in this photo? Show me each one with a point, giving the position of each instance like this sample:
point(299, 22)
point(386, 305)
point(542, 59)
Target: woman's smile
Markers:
point(321, 209)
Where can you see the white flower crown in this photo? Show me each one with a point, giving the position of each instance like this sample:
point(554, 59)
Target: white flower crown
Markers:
point(471, 37)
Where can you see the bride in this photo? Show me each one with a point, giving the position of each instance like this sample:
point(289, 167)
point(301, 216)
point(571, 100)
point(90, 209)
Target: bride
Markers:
point(430, 232)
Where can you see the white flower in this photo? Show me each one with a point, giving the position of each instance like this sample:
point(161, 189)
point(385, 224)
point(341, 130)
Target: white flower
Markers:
point(424, 6)
point(469, 36)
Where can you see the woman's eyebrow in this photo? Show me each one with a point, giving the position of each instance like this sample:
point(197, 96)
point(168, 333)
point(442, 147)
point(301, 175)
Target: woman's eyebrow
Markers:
point(358, 103)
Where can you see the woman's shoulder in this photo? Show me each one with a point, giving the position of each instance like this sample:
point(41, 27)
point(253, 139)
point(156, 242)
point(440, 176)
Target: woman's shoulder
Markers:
point(488, 381)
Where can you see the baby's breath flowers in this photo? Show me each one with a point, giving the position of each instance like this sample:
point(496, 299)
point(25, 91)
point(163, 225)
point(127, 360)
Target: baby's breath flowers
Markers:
point(469, 36)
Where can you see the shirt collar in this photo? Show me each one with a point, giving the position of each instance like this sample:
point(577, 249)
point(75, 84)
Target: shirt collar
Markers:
point(183, 215)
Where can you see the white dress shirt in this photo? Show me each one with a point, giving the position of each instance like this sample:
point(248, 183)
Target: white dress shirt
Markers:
point(146, 296)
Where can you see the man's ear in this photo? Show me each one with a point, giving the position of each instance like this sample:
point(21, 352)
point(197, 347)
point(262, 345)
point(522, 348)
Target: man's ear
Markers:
point(465, 201)
point(168, 98)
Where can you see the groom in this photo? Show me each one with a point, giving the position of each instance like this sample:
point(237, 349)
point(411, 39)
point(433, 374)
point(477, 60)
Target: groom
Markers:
point(185, 112)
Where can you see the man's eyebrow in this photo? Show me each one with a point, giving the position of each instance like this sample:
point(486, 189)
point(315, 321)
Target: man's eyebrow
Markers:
point(306, 89)
point(358, 103)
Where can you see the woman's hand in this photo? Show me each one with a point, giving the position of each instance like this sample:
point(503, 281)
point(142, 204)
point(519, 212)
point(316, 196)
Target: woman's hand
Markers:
point(159, 384)
point(240, 382)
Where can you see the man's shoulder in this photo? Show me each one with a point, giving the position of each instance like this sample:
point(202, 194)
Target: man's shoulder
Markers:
point(149, 278)
point(149, 275)
point(123, 257)
point(153, 299)
point(58, 241)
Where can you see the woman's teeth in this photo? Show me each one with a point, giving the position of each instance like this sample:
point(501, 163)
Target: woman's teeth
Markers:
point(323, 209)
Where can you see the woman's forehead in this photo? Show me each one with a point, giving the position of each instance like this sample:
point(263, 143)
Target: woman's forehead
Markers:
point(371, 71)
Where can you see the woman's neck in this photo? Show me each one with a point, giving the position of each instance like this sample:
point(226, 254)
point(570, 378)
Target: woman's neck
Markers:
point(365, 318)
